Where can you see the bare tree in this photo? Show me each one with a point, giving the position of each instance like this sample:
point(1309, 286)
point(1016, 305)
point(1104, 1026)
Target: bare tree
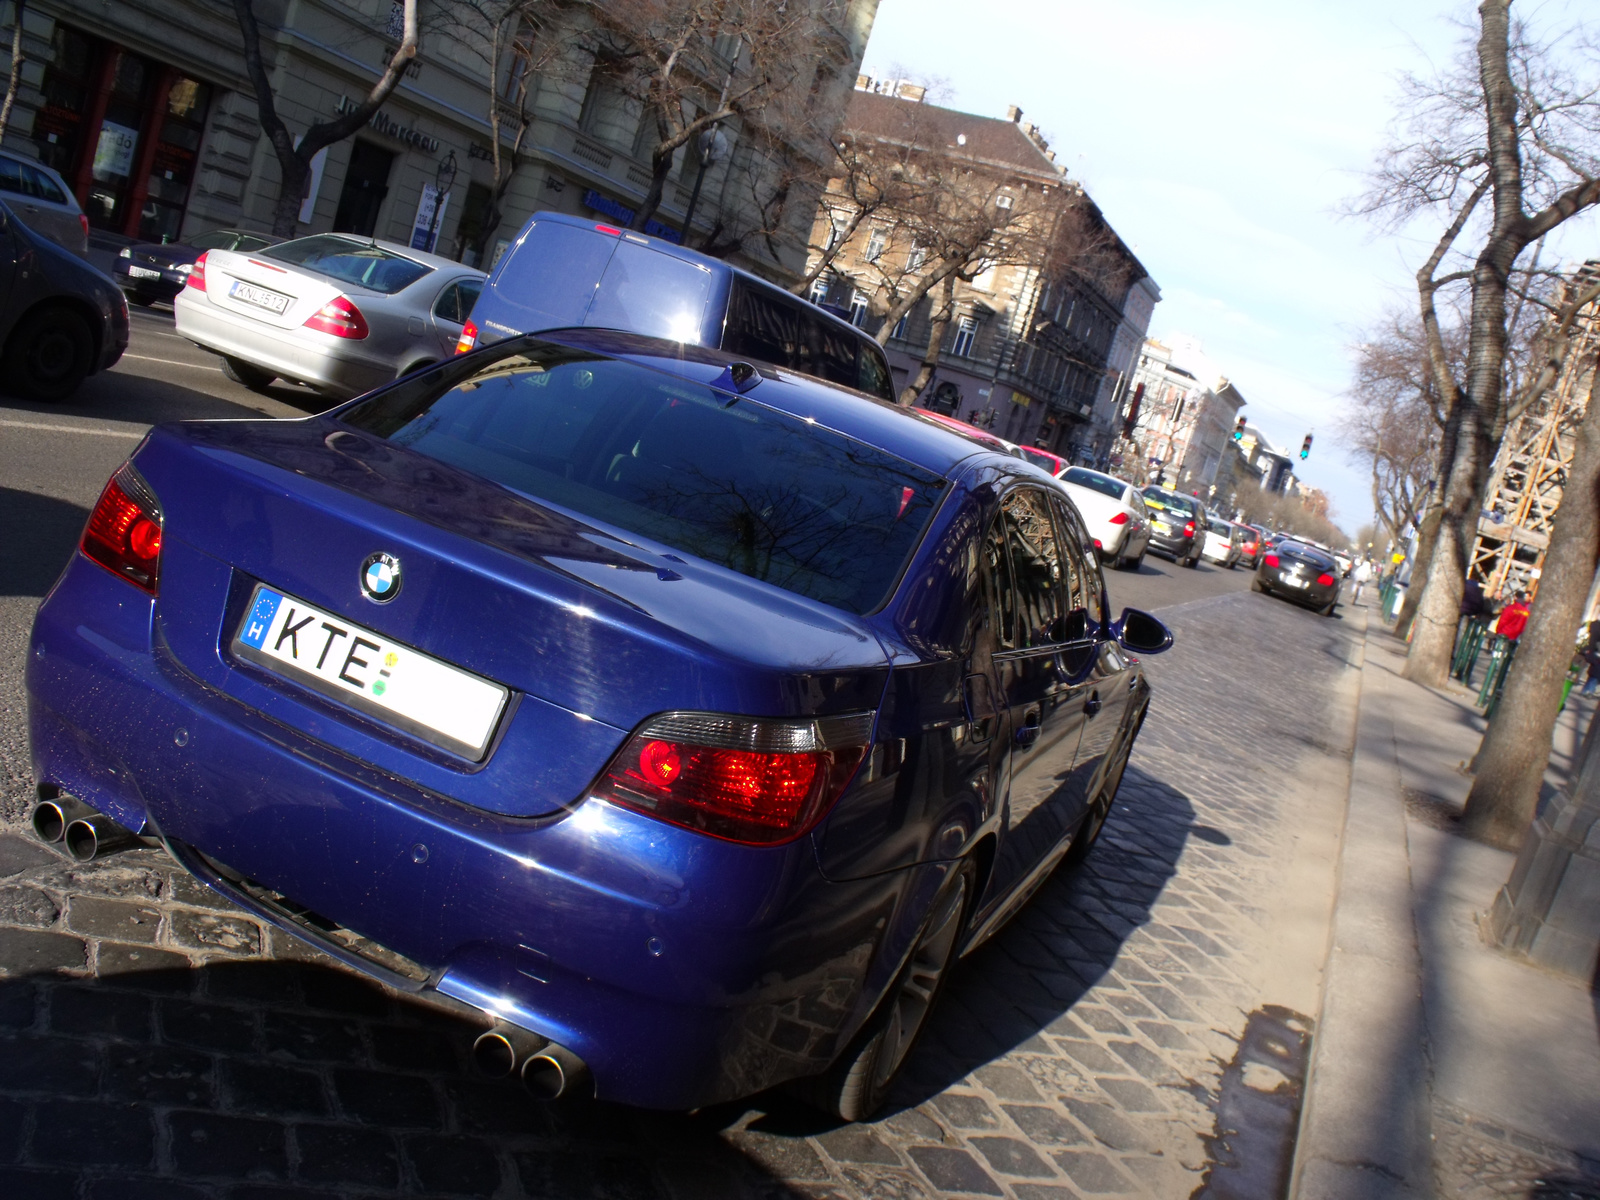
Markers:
point(294, 158)
point(690, 66)
point(1515, 751)
point(17, 10)
point(1513, 126)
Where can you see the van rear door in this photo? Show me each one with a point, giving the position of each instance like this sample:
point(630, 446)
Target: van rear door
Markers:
point(547, 281)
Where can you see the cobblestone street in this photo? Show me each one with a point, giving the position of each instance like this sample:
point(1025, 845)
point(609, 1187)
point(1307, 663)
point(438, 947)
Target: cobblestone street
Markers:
point(160, 1044)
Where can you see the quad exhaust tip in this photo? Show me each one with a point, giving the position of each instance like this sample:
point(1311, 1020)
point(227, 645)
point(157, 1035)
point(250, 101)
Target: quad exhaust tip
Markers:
point(85, 834)
point(547, 1071)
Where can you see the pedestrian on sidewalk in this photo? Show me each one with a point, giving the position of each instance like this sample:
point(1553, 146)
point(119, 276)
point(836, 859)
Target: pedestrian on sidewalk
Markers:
point(1591, 655)
point(1513, 618)
point(1361, 576)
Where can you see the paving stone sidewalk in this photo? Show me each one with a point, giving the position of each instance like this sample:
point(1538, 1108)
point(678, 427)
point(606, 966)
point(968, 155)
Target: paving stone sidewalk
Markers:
point(155, 1042)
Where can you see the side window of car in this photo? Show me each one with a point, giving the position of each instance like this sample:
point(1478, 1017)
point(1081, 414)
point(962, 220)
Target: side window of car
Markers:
point(872, 373)
point(1035, 567)
point(11, 176)
point(1084, 583)
point(42, 186)
point(456, 301)
point(764, 327)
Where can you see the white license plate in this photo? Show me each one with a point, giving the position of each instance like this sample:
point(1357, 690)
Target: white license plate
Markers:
point(249, 293)
point(391, 682)
point(143, 273)
point(1293, 582)
point(1161, 526)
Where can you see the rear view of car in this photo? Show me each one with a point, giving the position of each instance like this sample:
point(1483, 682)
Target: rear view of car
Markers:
point(563, 272)
point(339, 314)
point(1298, 572)
point(1177, 526)
point(151, 271)
point(44, 202)
point(1114, 512)
point(1224, 540)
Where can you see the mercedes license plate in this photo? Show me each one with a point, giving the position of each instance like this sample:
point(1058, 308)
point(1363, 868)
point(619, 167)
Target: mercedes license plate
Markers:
point(143, 273)
point(374, 674)
point(249, 293)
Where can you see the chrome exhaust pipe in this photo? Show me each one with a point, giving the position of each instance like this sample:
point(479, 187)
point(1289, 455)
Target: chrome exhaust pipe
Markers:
point(555, 1072)
point(501, 1051)
point(97, 835)
point(51, 817)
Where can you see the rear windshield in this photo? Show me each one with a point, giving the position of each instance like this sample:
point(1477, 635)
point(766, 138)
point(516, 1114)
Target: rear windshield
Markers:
point(717, 476)
point(1094, 482)
point(646, 291)
point(359, 264)
point(1160, 498)
point(1041, 459)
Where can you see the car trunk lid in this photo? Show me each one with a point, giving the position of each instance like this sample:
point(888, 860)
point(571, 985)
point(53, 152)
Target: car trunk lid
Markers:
point(278, 296)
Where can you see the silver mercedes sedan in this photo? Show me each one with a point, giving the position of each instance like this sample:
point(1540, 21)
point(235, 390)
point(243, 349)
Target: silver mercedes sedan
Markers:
point(338, 313)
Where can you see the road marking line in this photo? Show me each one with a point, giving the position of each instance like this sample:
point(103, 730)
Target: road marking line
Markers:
point(71, 429)
point(173, 362)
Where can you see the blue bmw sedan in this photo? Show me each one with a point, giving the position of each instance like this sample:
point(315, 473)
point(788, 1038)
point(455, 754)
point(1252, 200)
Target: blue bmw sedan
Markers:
point(686, 717)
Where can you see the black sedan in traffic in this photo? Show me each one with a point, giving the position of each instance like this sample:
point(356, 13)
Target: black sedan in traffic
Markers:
point(1177, 525)
point(151, 271)
point(1300, 573)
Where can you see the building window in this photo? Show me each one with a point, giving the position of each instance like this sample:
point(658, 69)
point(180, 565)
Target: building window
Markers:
point(819, 290)
point(966, 334)
point(858, 309)
point(900, 326)
point(917, 256)
point(1003, 201)
point(875, 243)
point(836, 228)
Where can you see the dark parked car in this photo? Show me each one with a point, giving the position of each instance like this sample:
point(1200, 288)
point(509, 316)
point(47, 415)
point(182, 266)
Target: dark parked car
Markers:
point(151, 271)
point(60, 318)
point(607, 685)
point(1177, 525)
point(566, 271)
point(1301, 573)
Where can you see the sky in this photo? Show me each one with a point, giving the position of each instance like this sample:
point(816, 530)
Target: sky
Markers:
point(1222, 140)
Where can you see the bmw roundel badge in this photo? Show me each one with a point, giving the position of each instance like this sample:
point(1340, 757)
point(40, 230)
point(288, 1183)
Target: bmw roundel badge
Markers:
point(380, 578)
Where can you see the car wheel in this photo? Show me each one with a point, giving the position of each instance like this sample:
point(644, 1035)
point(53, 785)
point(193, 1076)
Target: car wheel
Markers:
point(1255, 586)
point(1095, 819)
point(857, 1084)
point(1192, 563)
point(251, 376)
point(1328, 612)
point(49, 354)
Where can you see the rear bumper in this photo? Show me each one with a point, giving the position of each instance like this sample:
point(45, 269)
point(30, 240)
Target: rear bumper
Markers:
point(1174, 547)
point(287, 353)
point(682, 970)
point(1312, 595)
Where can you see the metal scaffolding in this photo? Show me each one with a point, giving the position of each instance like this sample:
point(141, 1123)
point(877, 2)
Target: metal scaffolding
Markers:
point(1531, 468)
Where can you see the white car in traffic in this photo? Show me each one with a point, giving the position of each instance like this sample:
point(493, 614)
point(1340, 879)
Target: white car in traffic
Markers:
point(1114, 511)
point(339, 313)
point(1224, 541)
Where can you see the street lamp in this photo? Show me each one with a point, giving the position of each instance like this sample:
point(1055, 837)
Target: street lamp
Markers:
point(443, 180)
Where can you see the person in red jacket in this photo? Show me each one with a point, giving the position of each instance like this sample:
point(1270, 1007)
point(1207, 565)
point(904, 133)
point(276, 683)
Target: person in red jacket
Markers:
point(1513, 618)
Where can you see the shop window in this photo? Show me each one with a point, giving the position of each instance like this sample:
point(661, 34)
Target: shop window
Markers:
point(366, 183)
point(116, 147)
point(470, 229)
point(172, 163)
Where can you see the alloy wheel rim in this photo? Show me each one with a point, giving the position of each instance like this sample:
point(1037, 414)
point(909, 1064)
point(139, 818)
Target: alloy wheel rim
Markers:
point(915, 996)
point(52, 355)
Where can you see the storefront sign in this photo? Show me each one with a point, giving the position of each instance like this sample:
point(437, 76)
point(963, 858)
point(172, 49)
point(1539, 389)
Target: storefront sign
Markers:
point(113, 154)
point(382, 123)
point(425, 228)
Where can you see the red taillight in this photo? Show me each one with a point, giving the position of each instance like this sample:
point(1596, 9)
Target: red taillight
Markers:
point(1271, 560)
point(84, 222)
point(468, 338)
point(1325, 579)
point(197, 272)
point(124, 531)
point(1097, 544)
point(1120, 519)
point(611, 229)
point(340, 318)
point(1188, 529)
point(740, 779)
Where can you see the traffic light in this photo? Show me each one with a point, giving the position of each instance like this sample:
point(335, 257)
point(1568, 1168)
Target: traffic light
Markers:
point(1305, 447)
point(1238, 430)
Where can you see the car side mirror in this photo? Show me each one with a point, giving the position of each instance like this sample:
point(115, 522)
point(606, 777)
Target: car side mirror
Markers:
point(1141, 633)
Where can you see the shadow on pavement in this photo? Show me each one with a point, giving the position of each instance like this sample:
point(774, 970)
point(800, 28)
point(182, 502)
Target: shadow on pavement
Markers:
point(41, 534)
point(1025, 980)
point(188, 1081)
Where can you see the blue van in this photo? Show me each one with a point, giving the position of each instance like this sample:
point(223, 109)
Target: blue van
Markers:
point(565, 271)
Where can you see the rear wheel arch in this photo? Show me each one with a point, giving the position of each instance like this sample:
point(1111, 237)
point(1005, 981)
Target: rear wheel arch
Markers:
point(91, 317)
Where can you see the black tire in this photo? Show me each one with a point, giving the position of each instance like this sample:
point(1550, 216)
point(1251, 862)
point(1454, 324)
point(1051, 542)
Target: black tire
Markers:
point(1255, 586)
point(1192, 563)
point(50, 352)
point(251, 376)
point(859, 1082)
point(1328, 612)
point(1232, 565)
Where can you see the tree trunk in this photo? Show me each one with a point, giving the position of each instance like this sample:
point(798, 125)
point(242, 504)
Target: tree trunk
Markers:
point(944, 273)
point(930, 359)
point(1511, 762)
point(1427, 539)
point(16, 67)
point(660, 168)
point(1439, 608)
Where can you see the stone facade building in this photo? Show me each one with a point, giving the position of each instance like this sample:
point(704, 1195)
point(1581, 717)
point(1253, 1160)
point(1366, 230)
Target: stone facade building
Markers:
point(145, 107)
point(1036, 355)
point(1182, 416)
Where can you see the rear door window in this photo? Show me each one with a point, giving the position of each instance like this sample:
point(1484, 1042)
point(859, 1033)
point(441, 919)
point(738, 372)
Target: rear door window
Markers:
point(548, 280)
point(42, 186)
point(1036, 568)
point(646, 291)
point(765, 326)
point(717, 476)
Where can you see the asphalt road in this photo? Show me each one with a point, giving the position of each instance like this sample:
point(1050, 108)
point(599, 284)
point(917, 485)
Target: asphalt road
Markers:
point(55, 458)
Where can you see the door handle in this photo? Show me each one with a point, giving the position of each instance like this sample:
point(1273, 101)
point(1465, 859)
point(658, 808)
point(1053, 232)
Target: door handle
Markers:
point(1092, 705)
point(1028, 734)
